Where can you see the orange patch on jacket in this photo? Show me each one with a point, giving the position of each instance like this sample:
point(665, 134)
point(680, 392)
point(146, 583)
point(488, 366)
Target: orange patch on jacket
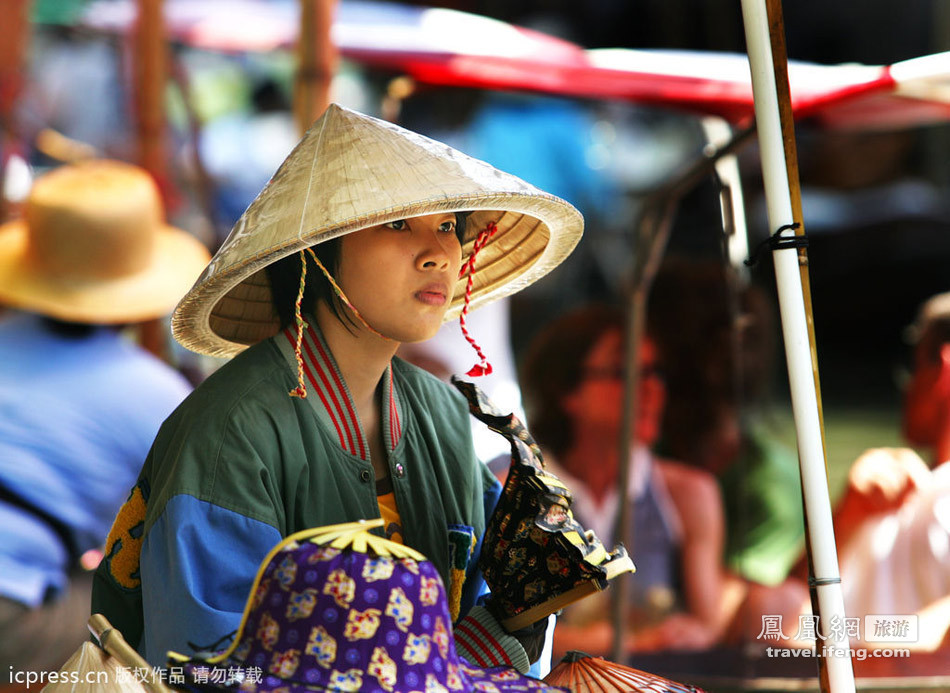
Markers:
point(124, 543)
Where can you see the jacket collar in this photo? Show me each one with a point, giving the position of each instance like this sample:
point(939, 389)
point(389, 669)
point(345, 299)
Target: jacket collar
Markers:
point(330, 398)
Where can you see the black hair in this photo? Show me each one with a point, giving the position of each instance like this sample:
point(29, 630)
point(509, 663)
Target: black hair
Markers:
point(284, 276)
point(461, 221)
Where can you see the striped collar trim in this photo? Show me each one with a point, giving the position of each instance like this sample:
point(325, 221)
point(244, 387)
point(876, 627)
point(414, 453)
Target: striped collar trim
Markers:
point(330, 398)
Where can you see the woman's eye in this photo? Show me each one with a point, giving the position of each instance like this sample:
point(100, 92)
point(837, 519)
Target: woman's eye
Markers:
point(398, 225)
point(447, 227)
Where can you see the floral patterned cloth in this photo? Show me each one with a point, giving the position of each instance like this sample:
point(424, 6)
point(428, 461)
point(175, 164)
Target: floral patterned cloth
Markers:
point(342, 619)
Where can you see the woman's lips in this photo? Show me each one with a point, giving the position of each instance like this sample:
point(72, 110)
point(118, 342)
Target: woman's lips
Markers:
point(433, 294)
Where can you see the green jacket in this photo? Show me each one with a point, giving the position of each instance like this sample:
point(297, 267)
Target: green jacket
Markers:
point(241, 464)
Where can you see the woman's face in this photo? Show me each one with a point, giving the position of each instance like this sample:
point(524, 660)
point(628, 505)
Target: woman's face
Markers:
point(924, 408)
point(597, 401)
point(400, 276)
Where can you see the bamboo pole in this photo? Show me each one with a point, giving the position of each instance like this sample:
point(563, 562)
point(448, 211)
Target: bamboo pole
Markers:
point(150, 75)
point(780, 75)
point(780, 175)
point(14, 41)
point(150, 70)
point(111, 641)
point(317, 60)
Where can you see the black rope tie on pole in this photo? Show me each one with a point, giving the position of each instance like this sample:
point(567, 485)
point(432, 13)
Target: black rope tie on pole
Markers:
point(818, 582)
point(778, 242)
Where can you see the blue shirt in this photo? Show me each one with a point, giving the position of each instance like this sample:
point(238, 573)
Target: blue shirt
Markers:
point(77, 418)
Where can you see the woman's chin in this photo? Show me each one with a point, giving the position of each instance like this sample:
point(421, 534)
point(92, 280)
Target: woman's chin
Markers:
point(419, 332)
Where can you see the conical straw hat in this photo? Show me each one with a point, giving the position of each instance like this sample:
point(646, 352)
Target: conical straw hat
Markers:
point(349, 172)
point(582, 673)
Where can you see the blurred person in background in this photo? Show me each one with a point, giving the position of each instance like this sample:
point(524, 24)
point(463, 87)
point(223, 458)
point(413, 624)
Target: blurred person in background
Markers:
point(242, 150)
point(892, 524)
point(573, 380)
point(79, 403)
point(717, 342)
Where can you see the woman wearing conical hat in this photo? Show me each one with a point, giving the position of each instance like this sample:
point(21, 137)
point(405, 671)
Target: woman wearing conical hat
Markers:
point(367, 236)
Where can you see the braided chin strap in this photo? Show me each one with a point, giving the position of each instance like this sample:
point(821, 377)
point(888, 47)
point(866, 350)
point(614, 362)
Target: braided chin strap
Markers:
point(483, 367)
point(342, 296)
point(301, 389)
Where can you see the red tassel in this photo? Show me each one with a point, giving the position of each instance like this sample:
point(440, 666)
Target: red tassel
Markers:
point(479, 370)
point(482, 367)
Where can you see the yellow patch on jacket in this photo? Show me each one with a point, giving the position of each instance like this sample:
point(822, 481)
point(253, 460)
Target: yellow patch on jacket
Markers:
point(124, 543)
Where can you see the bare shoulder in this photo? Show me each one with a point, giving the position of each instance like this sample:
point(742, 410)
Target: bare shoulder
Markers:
point(694, 491)
point(683, 479)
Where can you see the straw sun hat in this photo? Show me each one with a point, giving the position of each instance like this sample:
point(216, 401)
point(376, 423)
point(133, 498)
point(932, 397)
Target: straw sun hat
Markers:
point(349, 172)
point(92, 247)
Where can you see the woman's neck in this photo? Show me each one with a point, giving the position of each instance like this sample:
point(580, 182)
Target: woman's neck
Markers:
point(361, 356)
point(593, 460)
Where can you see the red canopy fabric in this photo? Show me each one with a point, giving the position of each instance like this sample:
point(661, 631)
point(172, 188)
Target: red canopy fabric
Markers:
point(449, 48)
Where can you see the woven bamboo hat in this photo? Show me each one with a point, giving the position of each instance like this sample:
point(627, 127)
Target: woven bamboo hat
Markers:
point(92, 247)
point(349, 172)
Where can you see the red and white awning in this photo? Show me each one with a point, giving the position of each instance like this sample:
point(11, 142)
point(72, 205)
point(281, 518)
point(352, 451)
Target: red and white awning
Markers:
point(450, 48)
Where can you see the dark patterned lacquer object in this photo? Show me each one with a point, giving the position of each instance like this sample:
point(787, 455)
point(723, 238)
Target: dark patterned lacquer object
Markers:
point(536, 557)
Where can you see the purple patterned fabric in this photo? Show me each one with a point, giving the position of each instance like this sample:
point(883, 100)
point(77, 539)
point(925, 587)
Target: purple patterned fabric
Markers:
point(328, 619)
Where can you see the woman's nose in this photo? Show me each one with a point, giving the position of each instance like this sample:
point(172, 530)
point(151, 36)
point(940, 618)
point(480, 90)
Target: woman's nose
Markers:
point(435, 250)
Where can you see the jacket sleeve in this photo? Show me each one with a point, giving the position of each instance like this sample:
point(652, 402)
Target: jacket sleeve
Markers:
point(216, 509)
point(199, 560)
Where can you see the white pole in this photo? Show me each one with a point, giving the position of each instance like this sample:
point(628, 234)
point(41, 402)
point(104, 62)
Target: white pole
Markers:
point(798, 353)
point(718, 132)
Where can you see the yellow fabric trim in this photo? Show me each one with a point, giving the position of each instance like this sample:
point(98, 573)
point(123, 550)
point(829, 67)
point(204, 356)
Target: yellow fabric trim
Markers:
point(457, 578)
